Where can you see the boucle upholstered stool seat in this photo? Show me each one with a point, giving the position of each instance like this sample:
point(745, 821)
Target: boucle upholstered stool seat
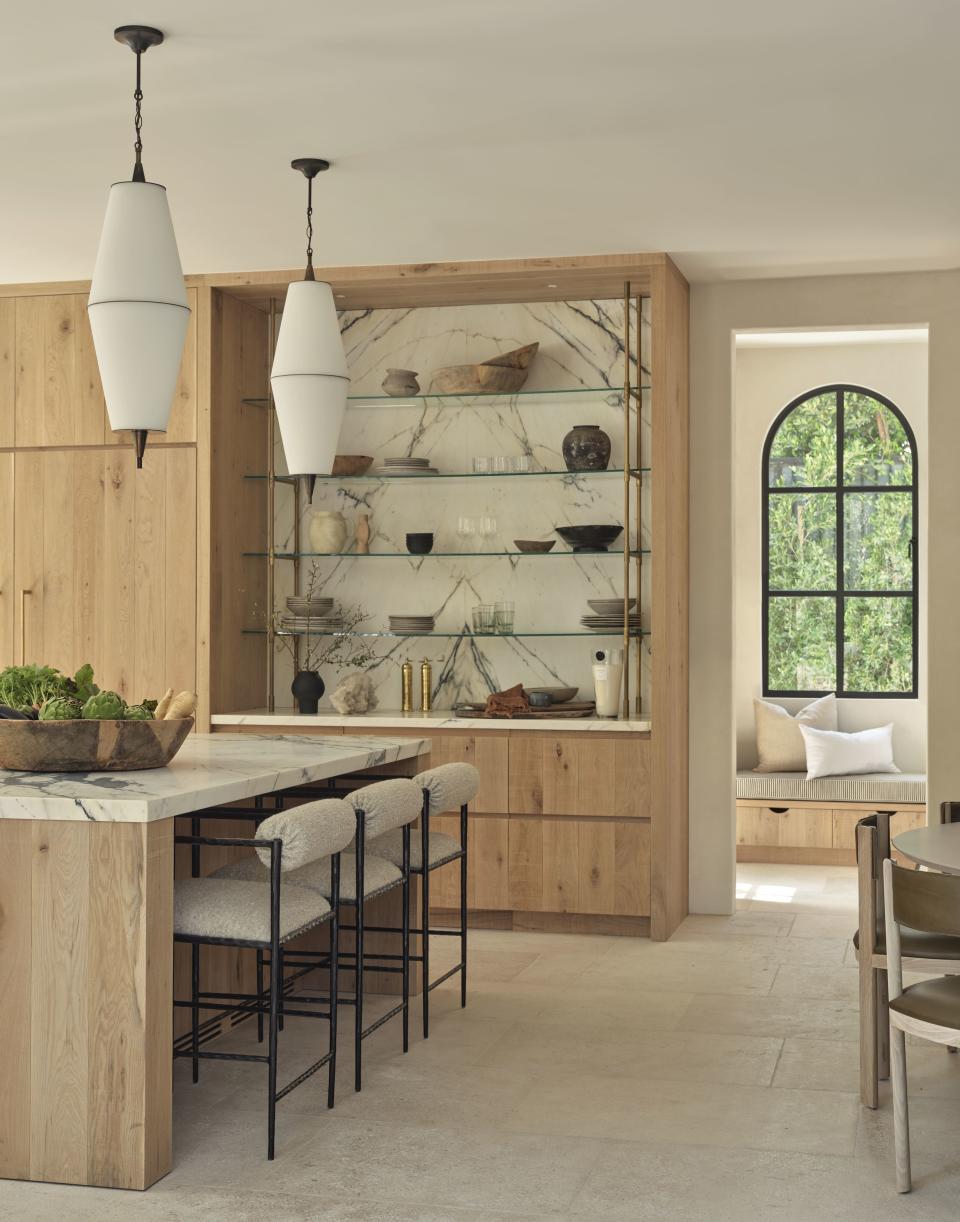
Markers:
point(441, 848)
point(240, 911)
point(263, 915)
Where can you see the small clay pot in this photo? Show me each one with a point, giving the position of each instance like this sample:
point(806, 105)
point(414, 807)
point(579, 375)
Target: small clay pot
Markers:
point(586, 448)
point(401, 383)
point(420, 544)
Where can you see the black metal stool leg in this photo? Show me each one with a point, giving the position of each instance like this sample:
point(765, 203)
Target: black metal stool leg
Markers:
point(405, 938)
point(358, 948)
point(280, 970)
point(275, 976)
point(463, 907)
point(334, 971)
point(195, 1008)
point(259, 995)
point(425, 913)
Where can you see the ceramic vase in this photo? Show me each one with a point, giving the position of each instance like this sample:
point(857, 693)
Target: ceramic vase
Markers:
point(307, 689)
point(328, 531)
point(401, 383)
point(586, 448)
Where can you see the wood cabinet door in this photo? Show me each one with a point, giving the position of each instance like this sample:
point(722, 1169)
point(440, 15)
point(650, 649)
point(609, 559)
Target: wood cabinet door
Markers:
point(8, 371)
point(487, 753)
point(8, 590)
point(488, 887)
point(576, 865)
point(108, 554)
point(57, 394)
point(584, 775)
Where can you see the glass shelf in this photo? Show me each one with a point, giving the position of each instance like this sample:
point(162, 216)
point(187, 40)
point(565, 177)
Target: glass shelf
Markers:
point(576, 394)
point(443, 475)
point(447, 636)
point(441, 555)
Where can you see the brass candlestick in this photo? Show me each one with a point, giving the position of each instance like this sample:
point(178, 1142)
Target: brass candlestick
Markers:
point(406, 687)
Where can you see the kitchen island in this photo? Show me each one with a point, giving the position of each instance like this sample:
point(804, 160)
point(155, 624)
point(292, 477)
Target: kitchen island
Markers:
point(86, 944)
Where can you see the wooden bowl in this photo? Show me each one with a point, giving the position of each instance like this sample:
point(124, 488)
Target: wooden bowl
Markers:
point(502, 375)
point(90, 746)
point(352, 464)
point(533, 547)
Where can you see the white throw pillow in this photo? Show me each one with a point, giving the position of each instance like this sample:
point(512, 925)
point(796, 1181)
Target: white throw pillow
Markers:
point(831, 753)
point(779, 741)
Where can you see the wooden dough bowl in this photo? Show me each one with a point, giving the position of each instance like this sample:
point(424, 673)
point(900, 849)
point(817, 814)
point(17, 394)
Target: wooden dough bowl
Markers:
point(90, 746)
point(502, 375)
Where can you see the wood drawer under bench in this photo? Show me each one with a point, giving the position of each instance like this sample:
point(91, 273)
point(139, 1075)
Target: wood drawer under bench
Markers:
point(811, 833)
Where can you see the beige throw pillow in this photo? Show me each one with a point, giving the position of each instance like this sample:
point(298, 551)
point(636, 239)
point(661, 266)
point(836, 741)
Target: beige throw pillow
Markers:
point(780, 745)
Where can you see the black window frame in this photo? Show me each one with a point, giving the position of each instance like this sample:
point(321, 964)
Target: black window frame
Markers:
point(839, 593)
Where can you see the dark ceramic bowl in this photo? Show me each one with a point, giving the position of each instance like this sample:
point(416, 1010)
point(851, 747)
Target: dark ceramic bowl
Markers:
point(589, 538)
point(533, 547)
point(420, 544)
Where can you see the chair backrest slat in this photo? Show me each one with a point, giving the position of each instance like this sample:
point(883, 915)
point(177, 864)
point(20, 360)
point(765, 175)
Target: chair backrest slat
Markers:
point(308, 832)
point(925, 900)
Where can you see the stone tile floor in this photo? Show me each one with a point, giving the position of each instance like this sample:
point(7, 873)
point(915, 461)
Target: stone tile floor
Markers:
point(710, 1078)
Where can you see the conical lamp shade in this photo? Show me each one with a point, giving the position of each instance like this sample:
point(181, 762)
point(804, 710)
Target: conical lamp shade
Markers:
point(309, 379)
point(138, 307)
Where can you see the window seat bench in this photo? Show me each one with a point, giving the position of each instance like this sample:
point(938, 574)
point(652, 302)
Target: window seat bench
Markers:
point(783, 817)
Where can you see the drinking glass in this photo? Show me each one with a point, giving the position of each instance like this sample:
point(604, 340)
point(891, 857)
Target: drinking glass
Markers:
point(503, 617)
point(481, 466)
point(520, 463)
point(501, 464)
point(466, 527)
point(483, 617)
point(488, 526)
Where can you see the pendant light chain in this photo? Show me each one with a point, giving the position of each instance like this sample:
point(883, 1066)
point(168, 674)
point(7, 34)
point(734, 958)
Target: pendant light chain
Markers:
point(309, 273)
point(138, 174)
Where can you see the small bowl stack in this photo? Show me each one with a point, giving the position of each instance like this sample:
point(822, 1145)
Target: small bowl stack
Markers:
point(317, 614)
point(412, 625)
point(608, 615)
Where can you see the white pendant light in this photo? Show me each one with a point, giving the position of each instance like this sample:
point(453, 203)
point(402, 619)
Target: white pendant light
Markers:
point(309, 379)
point(138, 302)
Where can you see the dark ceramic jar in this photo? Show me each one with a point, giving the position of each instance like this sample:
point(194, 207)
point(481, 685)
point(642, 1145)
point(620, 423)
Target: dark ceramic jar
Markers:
point(586, 448)
point(307, 687)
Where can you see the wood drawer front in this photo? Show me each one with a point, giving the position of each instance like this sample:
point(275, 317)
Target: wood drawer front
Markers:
point(487, 753)
point(808, 827)
point(845, 824)
point(487, 865)
point(569, 865)
point(584, 776)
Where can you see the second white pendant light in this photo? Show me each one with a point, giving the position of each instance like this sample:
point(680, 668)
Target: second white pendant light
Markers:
point(309, 379)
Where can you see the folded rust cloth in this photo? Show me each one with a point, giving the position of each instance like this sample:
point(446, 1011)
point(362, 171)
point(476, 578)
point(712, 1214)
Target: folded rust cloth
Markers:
point(509, 703)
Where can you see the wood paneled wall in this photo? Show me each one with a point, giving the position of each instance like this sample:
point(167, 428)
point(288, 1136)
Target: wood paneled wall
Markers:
point(108, 553)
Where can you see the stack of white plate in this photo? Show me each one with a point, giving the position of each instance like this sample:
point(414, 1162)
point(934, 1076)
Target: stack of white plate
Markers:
point(610, 623)
point(406, 466)
point(413, 624)
point(300, 605)
point(610, 606)
point(313, 623)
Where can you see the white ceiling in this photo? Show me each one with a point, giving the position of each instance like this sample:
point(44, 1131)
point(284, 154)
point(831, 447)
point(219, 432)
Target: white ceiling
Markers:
point(746, 137)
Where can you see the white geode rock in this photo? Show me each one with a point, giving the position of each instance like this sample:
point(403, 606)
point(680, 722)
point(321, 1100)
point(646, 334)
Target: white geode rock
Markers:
point(354, 694)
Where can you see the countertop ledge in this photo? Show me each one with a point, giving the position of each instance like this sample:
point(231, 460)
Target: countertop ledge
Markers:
point(209, 770)
point(439, 719)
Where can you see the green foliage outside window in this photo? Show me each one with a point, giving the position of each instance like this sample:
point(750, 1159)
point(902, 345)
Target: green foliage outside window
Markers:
point(805, 507)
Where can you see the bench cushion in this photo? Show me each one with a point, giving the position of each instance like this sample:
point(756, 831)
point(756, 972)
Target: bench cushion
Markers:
point(880, 787)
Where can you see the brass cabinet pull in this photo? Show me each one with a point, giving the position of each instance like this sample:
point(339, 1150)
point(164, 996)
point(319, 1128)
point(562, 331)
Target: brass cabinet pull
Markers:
point(23, 626)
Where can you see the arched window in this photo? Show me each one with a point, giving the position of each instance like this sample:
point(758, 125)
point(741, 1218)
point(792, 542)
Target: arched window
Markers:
point(840, 547)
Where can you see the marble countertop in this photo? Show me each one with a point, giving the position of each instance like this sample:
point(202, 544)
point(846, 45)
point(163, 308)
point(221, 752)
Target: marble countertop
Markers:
point(209, 769)
point(438, 719)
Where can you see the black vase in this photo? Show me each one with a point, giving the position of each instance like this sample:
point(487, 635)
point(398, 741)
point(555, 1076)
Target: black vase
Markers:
point(307, 687)
point(586, 448)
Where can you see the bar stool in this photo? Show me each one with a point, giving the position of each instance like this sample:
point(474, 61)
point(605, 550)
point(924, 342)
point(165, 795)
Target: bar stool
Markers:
point(391, 805)
point(263, 916)
point(446, 787)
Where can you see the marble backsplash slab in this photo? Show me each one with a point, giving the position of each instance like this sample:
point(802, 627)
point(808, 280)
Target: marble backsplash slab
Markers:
point(581, 350)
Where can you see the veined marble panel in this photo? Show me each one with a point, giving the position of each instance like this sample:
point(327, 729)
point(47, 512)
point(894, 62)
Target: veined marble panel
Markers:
point(581, 347)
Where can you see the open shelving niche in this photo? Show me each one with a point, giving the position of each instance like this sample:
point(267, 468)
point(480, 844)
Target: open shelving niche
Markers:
point(474, 424)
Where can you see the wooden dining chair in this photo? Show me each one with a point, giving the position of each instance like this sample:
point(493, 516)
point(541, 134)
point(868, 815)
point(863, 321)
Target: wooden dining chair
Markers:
point(917, 900)
point(923, 952)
